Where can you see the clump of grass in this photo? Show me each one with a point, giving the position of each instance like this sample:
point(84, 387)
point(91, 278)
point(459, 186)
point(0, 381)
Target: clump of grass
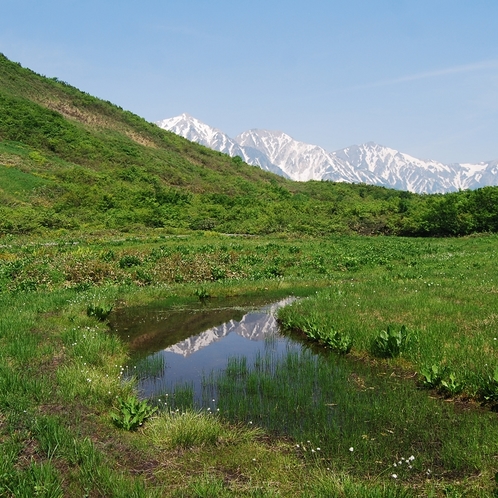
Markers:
point(488, 389)
point(190, 428)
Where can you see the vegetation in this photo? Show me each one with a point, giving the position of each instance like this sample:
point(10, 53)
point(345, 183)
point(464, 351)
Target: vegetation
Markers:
point(62, 372)
point(132, 413)
point(100, 209)
point(71, 162)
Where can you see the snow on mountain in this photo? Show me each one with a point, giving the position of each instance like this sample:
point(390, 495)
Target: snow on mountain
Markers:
point(398, 170)
point(368, 163)
point(301, 161)
point(196, 131)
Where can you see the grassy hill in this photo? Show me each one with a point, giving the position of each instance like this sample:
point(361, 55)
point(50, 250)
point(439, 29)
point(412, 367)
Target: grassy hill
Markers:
point(70, 161)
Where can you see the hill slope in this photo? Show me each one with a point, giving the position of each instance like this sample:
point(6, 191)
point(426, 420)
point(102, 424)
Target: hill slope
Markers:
point(70, 161)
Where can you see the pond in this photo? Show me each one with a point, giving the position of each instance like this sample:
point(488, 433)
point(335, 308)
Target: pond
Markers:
point(180, 347)
point(229, 357)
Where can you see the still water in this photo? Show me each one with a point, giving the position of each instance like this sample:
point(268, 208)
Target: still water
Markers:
point(230, 358)
point(180, 347)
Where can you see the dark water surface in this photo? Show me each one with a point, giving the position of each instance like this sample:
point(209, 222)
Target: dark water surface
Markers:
point(172, 347)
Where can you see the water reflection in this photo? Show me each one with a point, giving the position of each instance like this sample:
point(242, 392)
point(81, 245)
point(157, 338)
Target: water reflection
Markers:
point(181, 347)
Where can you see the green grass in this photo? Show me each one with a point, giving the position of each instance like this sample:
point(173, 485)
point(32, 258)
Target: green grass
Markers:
point(444, 296)
point(62, 372)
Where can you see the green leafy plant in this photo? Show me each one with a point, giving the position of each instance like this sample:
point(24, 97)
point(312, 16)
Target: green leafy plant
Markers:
point(132, 413)
point(202, 294)
point(99, 312)
point(339, 342)
point(311, 329)
point(432, 376)
point(218, 273)
point(451, 386)
point(391, 343)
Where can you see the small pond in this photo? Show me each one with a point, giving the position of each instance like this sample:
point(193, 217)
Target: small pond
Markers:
point(181, 346)
point(228, 356)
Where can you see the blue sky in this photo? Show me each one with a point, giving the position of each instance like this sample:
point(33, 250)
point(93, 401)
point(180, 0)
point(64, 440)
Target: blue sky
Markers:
point(420, 76)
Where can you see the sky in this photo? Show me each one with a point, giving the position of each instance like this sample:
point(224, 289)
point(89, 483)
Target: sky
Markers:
point(420, 76)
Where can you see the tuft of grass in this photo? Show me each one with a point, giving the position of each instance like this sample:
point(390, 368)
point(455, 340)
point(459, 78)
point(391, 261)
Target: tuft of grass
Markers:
point(190, 429)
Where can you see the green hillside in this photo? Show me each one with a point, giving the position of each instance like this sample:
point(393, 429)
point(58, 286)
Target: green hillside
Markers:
point(71, 161)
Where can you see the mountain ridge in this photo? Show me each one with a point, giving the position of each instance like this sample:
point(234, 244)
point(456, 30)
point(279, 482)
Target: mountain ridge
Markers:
point(368, 163)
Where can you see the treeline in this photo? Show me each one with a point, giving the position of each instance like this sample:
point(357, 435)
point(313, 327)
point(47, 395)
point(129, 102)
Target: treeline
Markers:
point(452, 214)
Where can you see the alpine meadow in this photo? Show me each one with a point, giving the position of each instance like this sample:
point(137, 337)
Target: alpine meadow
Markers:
point(393, 392)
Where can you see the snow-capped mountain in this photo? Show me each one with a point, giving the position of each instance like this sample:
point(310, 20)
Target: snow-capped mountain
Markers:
point(367, 163)
point(196, 131)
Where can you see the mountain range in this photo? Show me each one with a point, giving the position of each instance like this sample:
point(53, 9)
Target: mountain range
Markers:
point(368, 163)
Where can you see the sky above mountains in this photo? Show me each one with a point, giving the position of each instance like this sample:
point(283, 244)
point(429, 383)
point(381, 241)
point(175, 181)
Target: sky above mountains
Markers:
point(419, 76)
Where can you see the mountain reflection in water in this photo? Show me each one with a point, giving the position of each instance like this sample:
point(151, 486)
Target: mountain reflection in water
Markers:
point(194, 356)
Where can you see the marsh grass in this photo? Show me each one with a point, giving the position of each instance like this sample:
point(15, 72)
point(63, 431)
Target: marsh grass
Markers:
point(445, 296)
point(150, 367)
point(55, 429)
point(329, 405)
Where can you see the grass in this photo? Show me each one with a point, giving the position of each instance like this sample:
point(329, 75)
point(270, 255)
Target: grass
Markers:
point(61, 372)
point(444, 297)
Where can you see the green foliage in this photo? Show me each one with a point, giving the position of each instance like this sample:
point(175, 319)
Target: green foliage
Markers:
point(73, 161)
point(129, 260)
point(132, 413)
point(391, 343)
point(202, 293)
point(432, 376)
point(488, 389)
point(451, 386)
point(339, 342)
point(99, 312)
